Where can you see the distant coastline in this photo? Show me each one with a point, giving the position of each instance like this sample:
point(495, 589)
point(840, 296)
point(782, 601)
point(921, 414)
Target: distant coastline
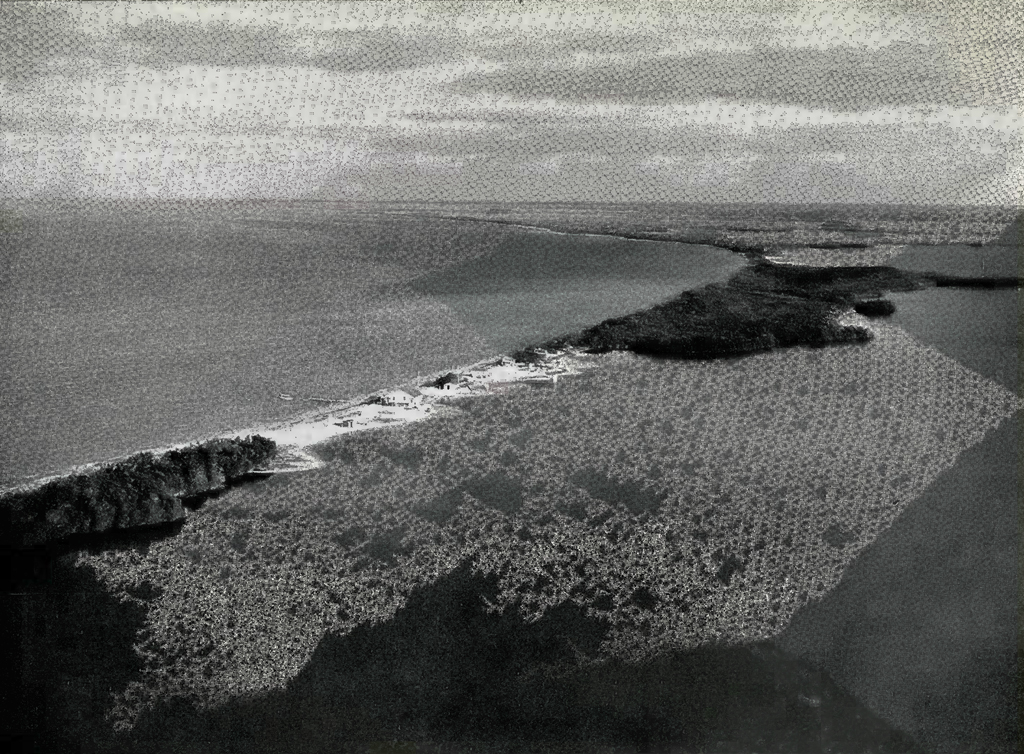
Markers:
point(624, 235)
point(752, 247)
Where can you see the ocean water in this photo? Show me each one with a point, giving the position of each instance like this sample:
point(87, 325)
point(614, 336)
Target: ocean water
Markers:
point(129, 326)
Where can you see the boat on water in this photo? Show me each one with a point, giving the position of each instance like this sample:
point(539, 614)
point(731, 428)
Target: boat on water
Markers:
point(286, 397)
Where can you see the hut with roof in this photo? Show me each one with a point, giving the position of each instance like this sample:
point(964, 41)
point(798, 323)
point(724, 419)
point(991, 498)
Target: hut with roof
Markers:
point(405, 397)
point(449, 381)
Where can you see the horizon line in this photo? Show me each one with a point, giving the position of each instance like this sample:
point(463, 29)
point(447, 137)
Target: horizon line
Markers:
point(454, 202)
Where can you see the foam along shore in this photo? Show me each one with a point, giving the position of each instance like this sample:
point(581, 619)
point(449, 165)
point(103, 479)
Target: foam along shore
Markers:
point(414, 402)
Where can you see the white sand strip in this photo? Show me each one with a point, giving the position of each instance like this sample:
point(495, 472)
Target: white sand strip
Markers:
point(295, 436)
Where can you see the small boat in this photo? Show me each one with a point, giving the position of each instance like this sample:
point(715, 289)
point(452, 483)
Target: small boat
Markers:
point(286, 397)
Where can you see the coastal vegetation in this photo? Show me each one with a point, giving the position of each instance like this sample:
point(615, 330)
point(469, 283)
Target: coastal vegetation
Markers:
point(957, 281)
point(760, 308)
point(875, 307)
point(839, 285)
point(142, 490)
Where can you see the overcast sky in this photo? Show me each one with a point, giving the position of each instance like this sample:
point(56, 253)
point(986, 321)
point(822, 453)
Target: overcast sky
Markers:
point(916, 102)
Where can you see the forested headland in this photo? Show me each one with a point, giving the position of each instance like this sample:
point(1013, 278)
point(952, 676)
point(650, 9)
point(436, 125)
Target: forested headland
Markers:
point(762, 307)
point(144, 489)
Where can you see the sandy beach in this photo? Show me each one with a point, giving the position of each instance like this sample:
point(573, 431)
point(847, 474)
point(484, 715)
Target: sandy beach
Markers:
point(296, 437)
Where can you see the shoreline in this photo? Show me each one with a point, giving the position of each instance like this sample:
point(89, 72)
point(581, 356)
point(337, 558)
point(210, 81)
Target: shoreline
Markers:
point(751, 250)
point(295, 435)
point(307, 428)
point(489, 376)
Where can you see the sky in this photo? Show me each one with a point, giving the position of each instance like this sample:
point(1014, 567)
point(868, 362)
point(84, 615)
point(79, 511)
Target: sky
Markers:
point(902, 101)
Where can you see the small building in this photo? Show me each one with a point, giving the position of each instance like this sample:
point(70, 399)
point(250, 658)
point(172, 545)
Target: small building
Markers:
point(403, 398)
point(449, 382)
point(348, 421)
point(396, 398)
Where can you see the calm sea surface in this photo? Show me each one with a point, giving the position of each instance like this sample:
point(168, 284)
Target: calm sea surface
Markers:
point(923, 628)
point(134, 326)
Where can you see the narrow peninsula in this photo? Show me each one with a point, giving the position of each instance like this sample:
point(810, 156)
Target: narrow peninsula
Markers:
point(762, 307)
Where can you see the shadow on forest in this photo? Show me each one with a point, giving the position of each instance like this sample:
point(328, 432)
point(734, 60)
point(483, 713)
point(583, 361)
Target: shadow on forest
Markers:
point(446, 674)
point(67, 643)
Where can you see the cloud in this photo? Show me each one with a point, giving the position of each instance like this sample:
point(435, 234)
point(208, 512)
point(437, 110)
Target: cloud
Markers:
point(386, 50)
point(34, 40)
point(740, 102)
point(561, 159)
point(843, 77)
point(161, 43)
